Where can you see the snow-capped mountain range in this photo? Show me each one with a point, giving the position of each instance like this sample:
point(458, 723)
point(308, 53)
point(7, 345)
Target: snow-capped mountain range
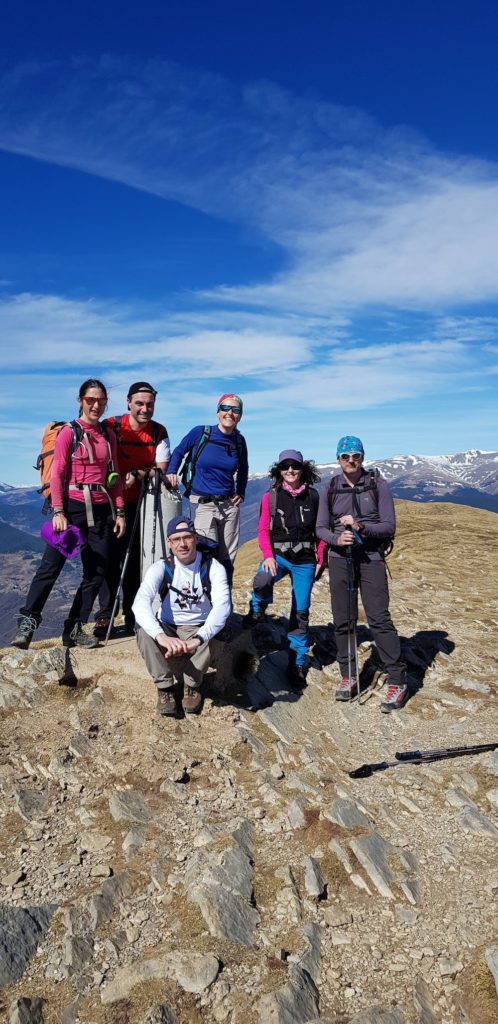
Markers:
point(467, 478)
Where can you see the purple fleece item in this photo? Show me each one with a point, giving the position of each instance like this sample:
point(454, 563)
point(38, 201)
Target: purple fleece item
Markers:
point(69, 542)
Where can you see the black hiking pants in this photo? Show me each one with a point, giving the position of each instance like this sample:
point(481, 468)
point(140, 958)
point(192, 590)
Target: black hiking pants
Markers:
point(131, 580)
point(370, 577)
point(93, 559)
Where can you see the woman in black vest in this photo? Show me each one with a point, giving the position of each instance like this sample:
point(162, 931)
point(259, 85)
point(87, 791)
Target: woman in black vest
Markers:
point(287, 538)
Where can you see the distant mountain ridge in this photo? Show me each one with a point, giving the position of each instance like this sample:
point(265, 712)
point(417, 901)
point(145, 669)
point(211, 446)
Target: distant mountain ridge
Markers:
point(466, 478)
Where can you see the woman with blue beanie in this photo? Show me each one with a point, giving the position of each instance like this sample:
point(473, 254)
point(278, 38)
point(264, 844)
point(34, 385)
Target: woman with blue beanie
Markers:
point(356, 518)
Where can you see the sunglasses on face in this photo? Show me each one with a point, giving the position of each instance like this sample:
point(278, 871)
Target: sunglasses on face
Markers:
point(290, 465)
point(230, 408)
point(95, 401)
point(347, 456)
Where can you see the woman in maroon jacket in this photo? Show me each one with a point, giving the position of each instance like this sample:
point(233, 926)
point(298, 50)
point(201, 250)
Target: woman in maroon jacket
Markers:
point(356, 518)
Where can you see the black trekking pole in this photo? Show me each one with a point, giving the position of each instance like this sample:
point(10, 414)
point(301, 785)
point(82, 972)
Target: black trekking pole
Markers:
point(420, 757)
point(352, 641)
point(161, 523)
point(126, 559)
point(155, 511)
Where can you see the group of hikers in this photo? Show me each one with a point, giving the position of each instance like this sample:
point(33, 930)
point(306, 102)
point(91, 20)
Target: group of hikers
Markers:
point(96, 484)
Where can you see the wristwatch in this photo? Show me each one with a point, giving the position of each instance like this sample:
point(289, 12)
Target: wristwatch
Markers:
point(197, 636)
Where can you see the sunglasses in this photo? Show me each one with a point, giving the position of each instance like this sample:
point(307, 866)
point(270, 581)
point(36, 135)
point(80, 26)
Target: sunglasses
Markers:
point(290, 465)
point(95, 401)
point(230, 408)
point(355, 456)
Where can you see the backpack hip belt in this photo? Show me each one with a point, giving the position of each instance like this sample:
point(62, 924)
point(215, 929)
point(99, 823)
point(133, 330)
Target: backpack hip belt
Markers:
point(87, 489)
point(287, 545)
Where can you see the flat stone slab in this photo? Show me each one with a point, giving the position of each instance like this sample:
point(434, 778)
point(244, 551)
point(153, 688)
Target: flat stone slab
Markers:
point(22, 929)
point(491, 957)
point(386, 865)
point(294, 1003)
point(346, 814)
point(26, 1011)
point(128, 805)
point(423, 1003)
point(376, 1016)
point(313, 879)
point(194, 972)
point(226, 915)
point(31, 804)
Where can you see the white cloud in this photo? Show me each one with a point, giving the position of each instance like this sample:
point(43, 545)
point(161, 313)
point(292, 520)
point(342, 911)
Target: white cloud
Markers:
point(364, 216)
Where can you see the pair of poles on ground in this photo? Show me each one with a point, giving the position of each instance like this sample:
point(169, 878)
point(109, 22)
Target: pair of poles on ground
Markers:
point(145, 492)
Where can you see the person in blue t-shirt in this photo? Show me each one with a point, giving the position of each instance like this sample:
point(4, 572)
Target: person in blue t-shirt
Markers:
point(219, 479)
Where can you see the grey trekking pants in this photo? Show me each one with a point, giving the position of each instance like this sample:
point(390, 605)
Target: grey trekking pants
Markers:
point(219, 521)
point(186, 669)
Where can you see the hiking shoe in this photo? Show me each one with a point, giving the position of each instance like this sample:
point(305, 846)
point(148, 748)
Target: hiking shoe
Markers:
point(26, 625)
point(253, 618)
point(166, 702)
point(75, 637)
point(101, 626)
point(347, 688)
point(297, 677)
point(191, 701)
point(396, 698)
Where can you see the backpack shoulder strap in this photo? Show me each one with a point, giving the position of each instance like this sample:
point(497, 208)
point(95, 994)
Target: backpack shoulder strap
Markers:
point(272, 504)
point(78, 434)
point(116, 426)
point(331, 492)
point(315, 497)
point(200, 444)
point(159, 432)
point(206, 562)
point(169, 568)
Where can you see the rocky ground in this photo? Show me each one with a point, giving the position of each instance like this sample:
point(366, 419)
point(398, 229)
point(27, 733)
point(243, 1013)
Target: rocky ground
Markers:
point(226, 867)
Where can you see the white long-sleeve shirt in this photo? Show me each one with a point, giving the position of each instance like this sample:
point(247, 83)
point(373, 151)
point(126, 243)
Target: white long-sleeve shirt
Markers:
point(189, 608)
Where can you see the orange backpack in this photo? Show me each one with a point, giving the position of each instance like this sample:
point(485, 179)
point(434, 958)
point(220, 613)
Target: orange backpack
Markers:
point(46, 456)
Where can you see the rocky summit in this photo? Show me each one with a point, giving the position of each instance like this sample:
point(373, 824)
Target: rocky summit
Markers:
point(226, 867)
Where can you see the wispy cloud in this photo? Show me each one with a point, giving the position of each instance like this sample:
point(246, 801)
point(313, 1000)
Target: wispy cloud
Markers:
point(387, 249)
point(363, 215)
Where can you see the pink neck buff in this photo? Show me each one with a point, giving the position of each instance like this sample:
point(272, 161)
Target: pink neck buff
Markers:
point(293, 490)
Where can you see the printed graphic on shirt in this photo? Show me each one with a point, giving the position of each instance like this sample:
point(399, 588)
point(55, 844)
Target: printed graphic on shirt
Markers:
point(187, 597)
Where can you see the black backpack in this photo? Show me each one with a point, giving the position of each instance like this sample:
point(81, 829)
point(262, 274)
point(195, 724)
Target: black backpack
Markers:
point(169, 569)
point(369, 484)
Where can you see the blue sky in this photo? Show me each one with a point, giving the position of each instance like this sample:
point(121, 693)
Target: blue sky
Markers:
point(294, 201)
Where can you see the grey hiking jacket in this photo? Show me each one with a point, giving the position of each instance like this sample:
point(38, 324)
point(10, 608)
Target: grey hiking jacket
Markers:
point(377, 517)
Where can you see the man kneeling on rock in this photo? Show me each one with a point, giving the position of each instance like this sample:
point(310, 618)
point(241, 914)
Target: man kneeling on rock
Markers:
point(195, 605)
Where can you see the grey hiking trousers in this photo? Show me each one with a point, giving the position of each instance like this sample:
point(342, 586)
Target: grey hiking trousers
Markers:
point(371, 580)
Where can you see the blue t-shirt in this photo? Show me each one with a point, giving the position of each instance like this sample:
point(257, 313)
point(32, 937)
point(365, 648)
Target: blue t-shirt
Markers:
point(218, 470)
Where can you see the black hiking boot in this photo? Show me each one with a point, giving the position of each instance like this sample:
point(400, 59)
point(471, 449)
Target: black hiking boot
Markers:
point(75, 637)
point(26, 625)
point(253, 618)
point(296, 674)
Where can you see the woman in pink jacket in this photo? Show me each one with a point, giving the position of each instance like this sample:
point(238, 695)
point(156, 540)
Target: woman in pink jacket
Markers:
point(287, 538)
point(82, 495)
